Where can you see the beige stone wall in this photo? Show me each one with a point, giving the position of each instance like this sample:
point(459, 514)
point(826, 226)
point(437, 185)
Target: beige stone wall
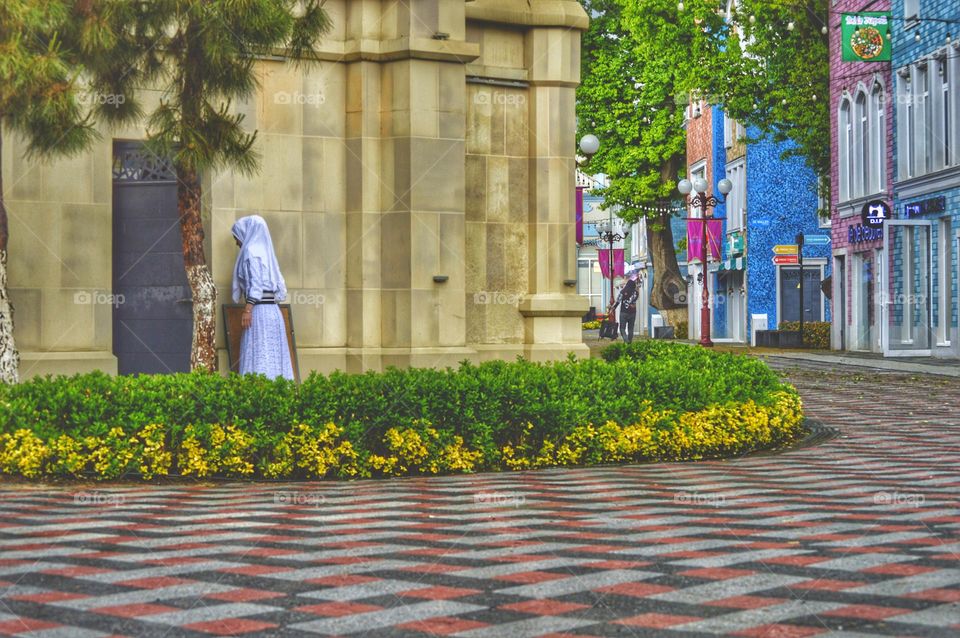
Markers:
point(397, 160)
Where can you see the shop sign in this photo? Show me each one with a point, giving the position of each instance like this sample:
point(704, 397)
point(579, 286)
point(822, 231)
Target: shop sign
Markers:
point(865, 36)
point(925, 207)
point(860, 233)
point(874, 213)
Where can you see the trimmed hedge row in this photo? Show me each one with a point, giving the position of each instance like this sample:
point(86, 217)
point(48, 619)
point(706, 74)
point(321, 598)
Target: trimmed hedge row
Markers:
point(647, 400)
point(816, 334)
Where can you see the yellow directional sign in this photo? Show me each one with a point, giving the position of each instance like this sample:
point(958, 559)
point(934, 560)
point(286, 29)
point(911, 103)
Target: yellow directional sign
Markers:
point(785, 249)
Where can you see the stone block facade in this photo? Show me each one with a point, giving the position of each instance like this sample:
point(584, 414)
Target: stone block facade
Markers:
point(418, 183)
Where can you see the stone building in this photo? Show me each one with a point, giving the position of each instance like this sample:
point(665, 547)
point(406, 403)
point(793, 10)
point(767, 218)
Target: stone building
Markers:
point(418, 184)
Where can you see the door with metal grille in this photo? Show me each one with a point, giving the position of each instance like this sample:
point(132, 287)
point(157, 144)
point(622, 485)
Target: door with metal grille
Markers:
point(153, 314)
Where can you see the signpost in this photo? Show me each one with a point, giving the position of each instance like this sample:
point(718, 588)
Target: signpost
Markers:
point(782, 260)
point(799, 241)
point(785, 249)
point(817, 240)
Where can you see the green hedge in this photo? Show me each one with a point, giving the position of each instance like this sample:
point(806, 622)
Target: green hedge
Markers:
point(816, 334)
point(488, 407)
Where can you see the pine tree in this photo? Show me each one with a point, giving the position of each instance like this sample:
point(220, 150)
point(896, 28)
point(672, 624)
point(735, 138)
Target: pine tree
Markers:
point(201, 54)
point(40, 99)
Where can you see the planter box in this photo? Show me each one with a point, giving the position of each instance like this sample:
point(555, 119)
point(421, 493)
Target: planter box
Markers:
point(663, 332)
point(779, 339)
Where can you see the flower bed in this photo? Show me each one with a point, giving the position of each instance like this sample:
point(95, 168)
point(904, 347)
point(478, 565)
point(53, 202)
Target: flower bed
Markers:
point(647, 401)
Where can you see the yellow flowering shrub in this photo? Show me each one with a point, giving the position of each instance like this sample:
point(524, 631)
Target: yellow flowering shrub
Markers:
point(155, 459)
point(420, 448)
point(23, 453)
point(69, 456)
point(114, 454)
point(316, 451)
point(228, 451)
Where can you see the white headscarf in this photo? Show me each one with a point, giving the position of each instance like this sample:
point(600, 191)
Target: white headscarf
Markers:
point(255, 242)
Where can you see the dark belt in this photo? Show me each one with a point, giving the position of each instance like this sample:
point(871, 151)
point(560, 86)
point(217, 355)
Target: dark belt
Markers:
point(268, 298)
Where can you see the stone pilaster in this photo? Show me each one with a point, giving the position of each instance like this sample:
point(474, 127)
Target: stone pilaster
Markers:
point(552, 309)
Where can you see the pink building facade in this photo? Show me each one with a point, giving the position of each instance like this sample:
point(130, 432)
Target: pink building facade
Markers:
point(861, 143)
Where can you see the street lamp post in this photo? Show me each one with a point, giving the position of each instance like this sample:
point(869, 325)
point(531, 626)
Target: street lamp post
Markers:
point(607, 233)
point(703, 202)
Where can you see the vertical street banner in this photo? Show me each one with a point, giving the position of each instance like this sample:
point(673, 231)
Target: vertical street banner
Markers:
point(714, 238)
point(695, 239)
point(865, 36)
point(580, 215)
point(603, 257)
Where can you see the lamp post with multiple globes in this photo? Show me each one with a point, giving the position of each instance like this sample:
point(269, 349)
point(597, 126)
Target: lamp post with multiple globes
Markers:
point(703, 202)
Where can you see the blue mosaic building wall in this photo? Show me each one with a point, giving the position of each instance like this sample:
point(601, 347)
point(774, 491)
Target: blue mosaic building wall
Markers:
point(937, 20)
point(781, 202)
point(718, 149)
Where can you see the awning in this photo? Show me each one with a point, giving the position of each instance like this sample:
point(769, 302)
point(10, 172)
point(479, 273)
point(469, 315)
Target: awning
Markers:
point(732, 263)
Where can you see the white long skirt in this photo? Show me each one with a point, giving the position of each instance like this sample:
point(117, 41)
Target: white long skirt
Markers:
point(263, 346)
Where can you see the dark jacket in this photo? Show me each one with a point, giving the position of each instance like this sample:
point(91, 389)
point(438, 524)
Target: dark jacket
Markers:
point(627, 299)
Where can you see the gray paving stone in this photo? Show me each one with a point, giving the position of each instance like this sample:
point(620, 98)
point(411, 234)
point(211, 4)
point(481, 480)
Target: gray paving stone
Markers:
point(385, 617)
point(578, 583)
point(716, 590)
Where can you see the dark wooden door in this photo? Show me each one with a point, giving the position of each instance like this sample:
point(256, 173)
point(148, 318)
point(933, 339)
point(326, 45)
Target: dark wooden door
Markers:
point(153, 314)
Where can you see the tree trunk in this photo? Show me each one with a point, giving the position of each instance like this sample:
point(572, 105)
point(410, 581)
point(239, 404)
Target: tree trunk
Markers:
point(203, 352)
point(9, 357)
point(669, 293)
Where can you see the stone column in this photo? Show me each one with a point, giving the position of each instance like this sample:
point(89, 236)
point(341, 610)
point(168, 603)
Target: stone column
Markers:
point(552, 309)
point(422, 266)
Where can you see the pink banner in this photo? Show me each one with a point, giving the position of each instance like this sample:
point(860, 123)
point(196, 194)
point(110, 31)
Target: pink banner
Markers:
point(603, 256)
point(579, 215)
point(695, 239)
point(714, 237)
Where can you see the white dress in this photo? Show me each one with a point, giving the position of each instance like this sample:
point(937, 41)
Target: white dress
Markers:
point(263, 346)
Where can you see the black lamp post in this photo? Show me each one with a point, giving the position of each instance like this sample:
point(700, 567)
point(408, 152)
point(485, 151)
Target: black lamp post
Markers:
point(608, 233)
point(703, 202)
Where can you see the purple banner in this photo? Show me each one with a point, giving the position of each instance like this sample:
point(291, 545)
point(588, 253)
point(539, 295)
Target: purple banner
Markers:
point(695, 239)
point(580, 215)
point(603, 256)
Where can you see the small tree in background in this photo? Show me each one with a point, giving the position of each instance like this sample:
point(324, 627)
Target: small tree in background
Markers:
point(39, 99)
point(201, 54)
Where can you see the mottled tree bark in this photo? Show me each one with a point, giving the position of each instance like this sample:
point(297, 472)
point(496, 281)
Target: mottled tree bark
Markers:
point(9, 357)
point(203, 352)
point(669, 293)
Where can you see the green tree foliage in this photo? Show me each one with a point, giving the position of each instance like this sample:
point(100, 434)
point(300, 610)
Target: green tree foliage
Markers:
point(40, 99)
point(768, 75)
point(202, 56)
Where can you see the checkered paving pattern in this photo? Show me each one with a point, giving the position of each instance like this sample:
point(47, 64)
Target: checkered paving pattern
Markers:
point(859, 536)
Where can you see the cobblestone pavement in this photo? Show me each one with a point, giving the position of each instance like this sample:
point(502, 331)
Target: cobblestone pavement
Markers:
point(857, 536)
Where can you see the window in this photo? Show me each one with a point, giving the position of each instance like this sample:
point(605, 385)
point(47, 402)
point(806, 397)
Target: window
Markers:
point(925, 112)
point(943, 145)
point(906, 141)
point(728, 131)
point(878, 139)
point(737, 199)
point(911, 9)
point(861, 145)
point(845, 134)
point(953, 104)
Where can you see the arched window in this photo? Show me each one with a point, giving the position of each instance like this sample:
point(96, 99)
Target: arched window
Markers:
point(861, 142)
point(845, 138)
point(878, 176)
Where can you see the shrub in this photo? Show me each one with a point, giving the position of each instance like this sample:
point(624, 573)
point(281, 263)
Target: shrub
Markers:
point(640, 402)
point(591, 325)
point(816, 334)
